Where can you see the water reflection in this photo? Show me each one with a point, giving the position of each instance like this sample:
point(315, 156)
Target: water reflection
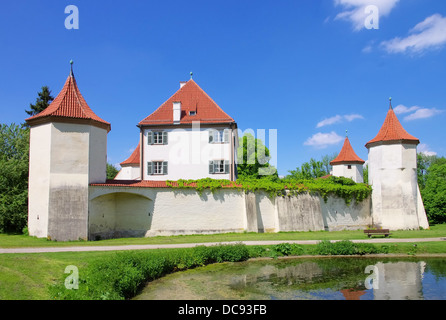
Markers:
point(327, 278)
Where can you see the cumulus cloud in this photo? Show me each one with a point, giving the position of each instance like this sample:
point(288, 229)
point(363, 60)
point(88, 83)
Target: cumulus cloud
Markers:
point(338, 119)
point(428, 34)
point(423, 113)
point(424, 149)
point(355, 10)
point(416, 112)
point(322, 140)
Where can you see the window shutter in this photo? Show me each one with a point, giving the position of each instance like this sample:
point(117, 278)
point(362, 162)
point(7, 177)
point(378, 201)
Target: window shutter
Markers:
point(226, 136)
point(164, 137)
point(211, 167)
point(150, 137)
point(149, 167)
point(164, 167)
point(226, 166)
point(211, 136)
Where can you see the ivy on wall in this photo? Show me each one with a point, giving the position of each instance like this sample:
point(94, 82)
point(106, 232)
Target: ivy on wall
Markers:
point(341, 187)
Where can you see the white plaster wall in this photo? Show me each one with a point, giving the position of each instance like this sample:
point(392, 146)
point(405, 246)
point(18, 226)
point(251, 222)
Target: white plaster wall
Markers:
point(97, 155)
point(39, 180)
point(355, 173)
point(188, 212)
point(128, 211)
point(339, 216)
point(188, 153)
point(129, 172)
point(393, 176)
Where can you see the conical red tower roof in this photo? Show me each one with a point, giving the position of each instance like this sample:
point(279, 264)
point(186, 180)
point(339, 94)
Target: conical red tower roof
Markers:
point(347, 155)
point(392, 132)
point(134, 157)
point(69, 104)
point(192, 98)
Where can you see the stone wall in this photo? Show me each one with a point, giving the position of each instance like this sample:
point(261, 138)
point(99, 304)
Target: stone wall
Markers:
point(129, 211)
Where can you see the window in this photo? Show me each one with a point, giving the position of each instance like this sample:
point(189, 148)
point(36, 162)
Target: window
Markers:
point(218, 166)
point(192, 113)
point(157, 137)
point(219, 136)
point(349, 166)
point(156, 167)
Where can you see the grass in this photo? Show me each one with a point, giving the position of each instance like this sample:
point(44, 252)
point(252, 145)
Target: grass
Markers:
point(17, 241)
point(27, 276)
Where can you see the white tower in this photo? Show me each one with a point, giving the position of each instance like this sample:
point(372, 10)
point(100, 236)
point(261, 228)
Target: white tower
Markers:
point(347, 164)
point(68, 151)
point(396, 199)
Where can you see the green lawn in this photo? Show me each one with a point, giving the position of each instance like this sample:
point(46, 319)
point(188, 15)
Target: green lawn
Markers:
point(16, 241)
point(27, 276)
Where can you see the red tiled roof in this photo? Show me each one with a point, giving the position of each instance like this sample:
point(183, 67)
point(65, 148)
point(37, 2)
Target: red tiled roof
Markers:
point(134, 157)
point(392, 131)
point(347, 155)
point(70, 103)
point(151, 184)
point(192, 98)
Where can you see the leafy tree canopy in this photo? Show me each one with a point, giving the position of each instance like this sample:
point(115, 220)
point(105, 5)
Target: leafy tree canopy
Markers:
point(14, 148)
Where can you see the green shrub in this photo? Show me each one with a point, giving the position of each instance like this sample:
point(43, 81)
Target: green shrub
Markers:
point(346, 247)
point(120, 276)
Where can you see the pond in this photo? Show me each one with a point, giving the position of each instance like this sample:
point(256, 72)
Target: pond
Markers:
point(307, 279)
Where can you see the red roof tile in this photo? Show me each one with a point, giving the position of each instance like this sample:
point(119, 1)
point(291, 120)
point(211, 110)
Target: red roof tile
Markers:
point(70, 103)
point(347, 155)
point(192, 98)
point(392, 131)
point(134, 157)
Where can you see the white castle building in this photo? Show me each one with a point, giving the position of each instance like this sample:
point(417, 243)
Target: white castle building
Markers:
point(191, 137)
point(188, 137)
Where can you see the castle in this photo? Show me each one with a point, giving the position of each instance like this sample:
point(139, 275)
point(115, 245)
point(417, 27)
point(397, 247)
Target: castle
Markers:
point(191, 137)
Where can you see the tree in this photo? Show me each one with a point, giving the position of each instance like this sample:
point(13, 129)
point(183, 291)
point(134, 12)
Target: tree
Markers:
point(434, 192)
point(253, 159)
point(42, 102)
point(423, 163)
point(313, 169)
point(112, 171)
point(14, 157)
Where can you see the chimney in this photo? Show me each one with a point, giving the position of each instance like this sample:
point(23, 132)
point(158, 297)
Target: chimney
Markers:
point(176, 112)
point(182, 83)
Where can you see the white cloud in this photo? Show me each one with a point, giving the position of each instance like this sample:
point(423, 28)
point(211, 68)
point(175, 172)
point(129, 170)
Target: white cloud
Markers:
point(423, 113)
point(322, 140)
point(416, 112)
point(424, 149)
point(338, 119)
point(401, 109)
point(354, 10)
point(429, 34)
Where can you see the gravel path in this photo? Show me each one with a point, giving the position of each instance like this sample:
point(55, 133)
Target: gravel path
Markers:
point(189, 245)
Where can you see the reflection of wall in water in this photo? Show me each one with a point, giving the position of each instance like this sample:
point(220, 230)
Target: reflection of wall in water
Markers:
point(399, 281)
point(289, 275)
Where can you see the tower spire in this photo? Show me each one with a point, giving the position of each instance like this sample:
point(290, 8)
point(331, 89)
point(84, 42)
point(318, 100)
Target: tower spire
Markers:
point(71, 68)
point(390, 104)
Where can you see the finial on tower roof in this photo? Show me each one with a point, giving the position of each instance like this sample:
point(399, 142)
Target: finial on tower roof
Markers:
point(191, 74)
point(390, 101)
point(346, 133)
point(71, 68)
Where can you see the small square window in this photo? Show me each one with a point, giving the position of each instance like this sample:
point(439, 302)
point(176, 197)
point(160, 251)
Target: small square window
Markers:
point(192, 113)
point(349, 166)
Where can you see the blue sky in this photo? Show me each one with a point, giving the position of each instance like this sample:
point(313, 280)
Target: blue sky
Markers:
point(309, 69)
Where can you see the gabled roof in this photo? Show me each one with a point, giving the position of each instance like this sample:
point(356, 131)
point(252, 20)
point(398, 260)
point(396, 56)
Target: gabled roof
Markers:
point(134, 157)
point(69, 104)
point(347, 155)
point(392, 132)
point(192, 98)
